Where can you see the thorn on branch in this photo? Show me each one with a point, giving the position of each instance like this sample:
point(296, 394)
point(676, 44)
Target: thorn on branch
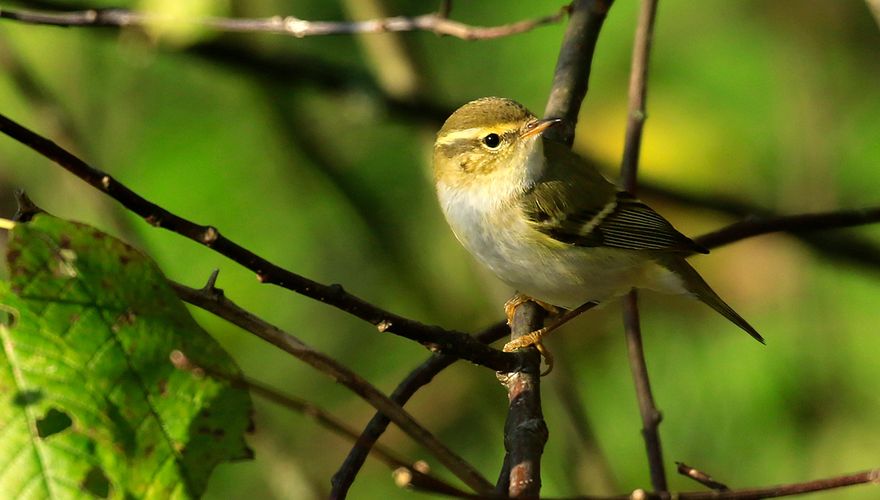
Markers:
point(27, 209)
point(210, 287)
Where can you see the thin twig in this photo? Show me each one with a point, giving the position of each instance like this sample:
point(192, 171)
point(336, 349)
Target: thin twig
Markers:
point(848, 248)
point(436, 338)
point(782, 490)
point(638, 93)
point(638, 89)
point(418, 378)
point(868, 476)
point(292, 26)
point(700, 477)
point(213, 300)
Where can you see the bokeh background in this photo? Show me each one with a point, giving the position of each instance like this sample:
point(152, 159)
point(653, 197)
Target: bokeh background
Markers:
point(314, 153)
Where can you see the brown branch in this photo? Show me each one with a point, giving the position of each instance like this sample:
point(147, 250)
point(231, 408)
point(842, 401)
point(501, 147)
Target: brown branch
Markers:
point(783, 490)
point(848, 248)
point(868, 476)
point(434, 22)
point(525, 432)
point(795, 224)
point(418, 378)
point(638, 92)
point(572, 74)
point(638, 89)
point(416, 478)
point(436, 338)
point(212, 300)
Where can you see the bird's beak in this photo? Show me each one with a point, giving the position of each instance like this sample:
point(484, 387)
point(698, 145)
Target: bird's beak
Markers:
point(536, 127)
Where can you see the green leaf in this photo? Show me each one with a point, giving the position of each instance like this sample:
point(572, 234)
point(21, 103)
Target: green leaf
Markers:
point(90, 404)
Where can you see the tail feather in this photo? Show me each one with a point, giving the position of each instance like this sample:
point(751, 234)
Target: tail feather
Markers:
point(695, 284)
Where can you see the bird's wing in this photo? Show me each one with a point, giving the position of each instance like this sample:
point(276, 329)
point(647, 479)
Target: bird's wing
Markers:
point(573, 203)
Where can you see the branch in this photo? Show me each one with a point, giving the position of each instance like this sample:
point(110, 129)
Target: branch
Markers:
point(868, 476)
point(436, 338)
point(418, 378)
point(434, 22)
point(525, 431)
point(638, 89)
point(795, 224)
point(783, 490)
point(212, 300)
point(572, 74)
point(415, 475)
point(849, 248)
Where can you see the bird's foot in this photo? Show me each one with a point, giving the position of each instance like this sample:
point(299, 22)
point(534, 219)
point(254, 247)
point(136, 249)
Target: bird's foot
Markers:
point(536, 337)
point(533, 339)
point(520, 299)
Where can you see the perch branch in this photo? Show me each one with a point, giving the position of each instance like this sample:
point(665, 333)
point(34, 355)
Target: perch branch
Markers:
point(436, 338)
point(638, 89)
point(435, 22)
point(212, 300)
point(525, 431)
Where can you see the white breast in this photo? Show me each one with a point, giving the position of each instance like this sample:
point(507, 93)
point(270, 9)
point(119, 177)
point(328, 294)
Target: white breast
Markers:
point(530, 262)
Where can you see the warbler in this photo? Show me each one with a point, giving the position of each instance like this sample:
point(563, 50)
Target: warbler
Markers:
point(547, 223)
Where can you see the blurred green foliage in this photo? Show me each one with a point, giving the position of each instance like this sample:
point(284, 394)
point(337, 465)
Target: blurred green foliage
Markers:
point(774, 103)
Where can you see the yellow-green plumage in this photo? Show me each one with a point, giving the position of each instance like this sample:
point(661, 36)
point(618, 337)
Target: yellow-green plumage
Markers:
point(547, 222)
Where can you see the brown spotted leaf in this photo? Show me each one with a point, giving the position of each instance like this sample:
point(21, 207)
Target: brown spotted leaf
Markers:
point(90, 405)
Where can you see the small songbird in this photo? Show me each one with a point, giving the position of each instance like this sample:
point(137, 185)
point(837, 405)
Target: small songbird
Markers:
point(547, 223)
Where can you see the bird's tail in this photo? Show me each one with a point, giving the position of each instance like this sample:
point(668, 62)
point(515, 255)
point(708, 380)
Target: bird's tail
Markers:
point(695, 284)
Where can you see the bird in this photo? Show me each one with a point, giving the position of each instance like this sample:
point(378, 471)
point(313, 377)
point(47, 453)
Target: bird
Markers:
point(547, 223)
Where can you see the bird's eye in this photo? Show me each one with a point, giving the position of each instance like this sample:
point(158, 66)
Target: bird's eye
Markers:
point(492, 141)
